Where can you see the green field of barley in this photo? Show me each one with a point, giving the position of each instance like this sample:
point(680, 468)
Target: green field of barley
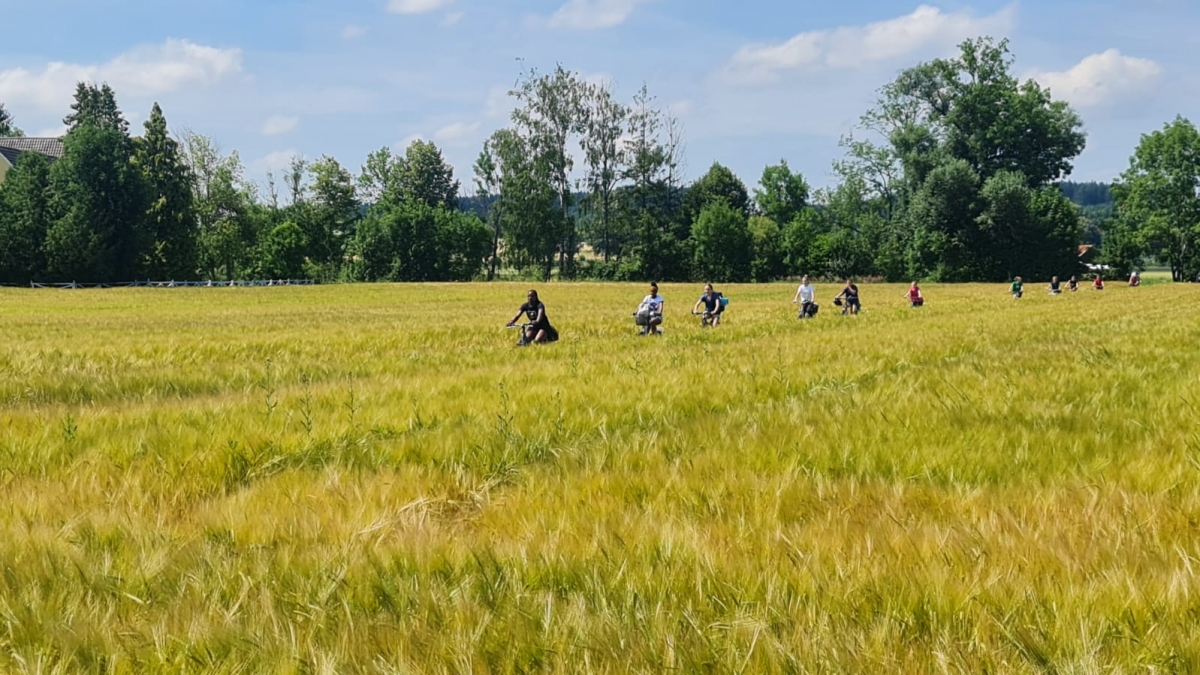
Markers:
point(373, 479)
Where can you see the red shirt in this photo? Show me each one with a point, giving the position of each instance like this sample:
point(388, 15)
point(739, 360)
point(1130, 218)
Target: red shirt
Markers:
point(914, 293)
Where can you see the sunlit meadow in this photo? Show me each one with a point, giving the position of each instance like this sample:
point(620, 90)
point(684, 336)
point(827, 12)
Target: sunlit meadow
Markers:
point(373, 479)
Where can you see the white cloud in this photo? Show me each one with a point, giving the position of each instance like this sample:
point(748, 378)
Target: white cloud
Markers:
point(1101, 78)
point(453, 18)
point(416, 6)
point(143, 71)
point(593, 14)
point(52, 132)
point(352, 31)
point(280, 125)
point(407, 141)
point(681, 108)
point(852, 47)
point(275, 161)
point(458, 132)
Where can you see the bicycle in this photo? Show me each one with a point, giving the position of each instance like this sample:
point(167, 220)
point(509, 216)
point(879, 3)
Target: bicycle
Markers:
point(525, 339)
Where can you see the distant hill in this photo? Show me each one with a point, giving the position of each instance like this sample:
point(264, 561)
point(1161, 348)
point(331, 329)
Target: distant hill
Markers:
point(476, 205)
point(480, 205)
point(1087, 194)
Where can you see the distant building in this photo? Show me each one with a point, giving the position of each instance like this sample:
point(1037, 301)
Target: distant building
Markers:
point(11, 150)
point(1087, 254)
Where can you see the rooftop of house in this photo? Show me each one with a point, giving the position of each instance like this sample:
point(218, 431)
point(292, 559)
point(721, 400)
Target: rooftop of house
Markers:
point(12, 148)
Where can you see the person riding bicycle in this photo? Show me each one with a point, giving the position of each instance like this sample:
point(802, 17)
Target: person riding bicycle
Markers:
point(538, 329)
point(1098, 283)
point(914, 296)
point(805, 297)
point(1055, 287)
point(713, 307)
point(848, 298)
point(649, 314)
point(1018, 288)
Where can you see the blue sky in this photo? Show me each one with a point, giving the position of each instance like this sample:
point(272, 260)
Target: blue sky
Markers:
point(751, 82)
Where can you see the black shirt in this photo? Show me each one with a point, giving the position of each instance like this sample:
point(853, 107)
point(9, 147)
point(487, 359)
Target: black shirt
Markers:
point(711, 302)
point(531, 310)
point(851, 293)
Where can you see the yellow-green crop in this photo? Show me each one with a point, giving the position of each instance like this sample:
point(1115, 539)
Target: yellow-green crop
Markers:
point(372, 479)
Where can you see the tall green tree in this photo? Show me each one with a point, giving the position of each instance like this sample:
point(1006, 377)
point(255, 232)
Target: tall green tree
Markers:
point(424, 175)
point(1157, 197)
point(101, 199)
point(283, 252)
point(295, 179)
point(953, 129)
point(797, 243)
point(464, 243)
point(170, 224)
point(96, 107)
point(7, 126)
point(527, 209)
point(604, 126)
point(766, 243)
point(718, 184)
point(1033, 232)
point(25, 217)
point(781, 194)
point(226, 213)
point(378, 176)
point(335, 211)
point(649, 206)
point(942, 218)
point(488, 187)
point(550, 115)
point(724, 247)
point(851, 240)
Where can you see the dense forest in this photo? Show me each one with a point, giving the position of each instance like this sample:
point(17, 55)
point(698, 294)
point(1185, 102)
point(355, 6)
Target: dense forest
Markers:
point(958, 173)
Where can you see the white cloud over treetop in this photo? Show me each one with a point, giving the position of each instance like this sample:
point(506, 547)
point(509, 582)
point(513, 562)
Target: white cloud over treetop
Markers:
point(143, 71)
point(456, 133)
point(415, 6)
point(593, 14)
point(1101, 78)
point(280, 125)
point(852, 47)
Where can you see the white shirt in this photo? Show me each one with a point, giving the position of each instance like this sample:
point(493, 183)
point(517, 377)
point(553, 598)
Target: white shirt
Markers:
point(654, 302)
point(806, 293)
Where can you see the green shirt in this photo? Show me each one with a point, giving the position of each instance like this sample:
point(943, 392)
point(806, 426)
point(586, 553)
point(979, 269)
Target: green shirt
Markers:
point(1017, 286)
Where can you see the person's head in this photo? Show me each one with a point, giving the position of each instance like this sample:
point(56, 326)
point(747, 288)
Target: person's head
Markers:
point(1072, 277)
point(1016, 278)
point(804, 279)
point(532, 296)
point(1053, 278)
point(653, 288)
point(914, 285)
point(849, 281)
point(708, 289)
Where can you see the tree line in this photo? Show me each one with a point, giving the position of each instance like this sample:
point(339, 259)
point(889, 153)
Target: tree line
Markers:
point(956, 175)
